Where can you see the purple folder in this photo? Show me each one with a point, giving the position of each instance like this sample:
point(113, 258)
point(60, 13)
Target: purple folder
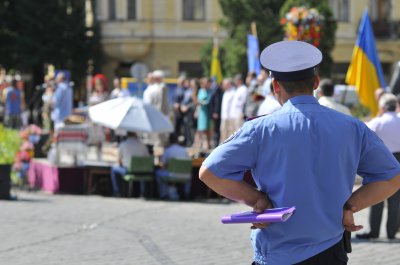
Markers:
point(268, 216)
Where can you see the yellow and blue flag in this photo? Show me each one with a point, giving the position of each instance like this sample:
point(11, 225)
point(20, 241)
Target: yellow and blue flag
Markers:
point(365, 71)
point(216, 73)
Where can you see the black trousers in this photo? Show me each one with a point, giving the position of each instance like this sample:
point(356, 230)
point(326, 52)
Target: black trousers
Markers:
point(217, 132)
point(393, 220)
point(335, 255)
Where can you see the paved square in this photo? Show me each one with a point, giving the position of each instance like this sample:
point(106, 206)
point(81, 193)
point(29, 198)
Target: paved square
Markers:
point(67, 229)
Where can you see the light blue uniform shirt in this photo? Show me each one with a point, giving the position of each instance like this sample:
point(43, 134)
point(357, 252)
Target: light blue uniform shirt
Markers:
point(62, 102)
point(303, 155)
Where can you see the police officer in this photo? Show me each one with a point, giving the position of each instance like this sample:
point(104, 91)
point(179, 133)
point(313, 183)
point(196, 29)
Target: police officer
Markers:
point(303, 155)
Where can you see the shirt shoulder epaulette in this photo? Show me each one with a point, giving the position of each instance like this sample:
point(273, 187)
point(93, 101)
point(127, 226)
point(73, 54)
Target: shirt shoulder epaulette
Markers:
point(256, 117)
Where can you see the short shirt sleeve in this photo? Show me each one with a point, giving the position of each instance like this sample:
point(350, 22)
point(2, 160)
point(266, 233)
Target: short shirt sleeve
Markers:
point(377, 163)
point(236, 155)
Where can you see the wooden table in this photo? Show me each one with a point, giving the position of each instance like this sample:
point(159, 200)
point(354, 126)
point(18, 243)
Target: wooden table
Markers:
point(95, 167)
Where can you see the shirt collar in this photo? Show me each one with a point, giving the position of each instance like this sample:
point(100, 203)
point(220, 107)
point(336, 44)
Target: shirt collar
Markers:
point(303, 99)
point(389, 113)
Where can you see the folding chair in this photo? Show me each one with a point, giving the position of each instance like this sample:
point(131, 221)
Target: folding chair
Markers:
point(141, 169)
point(180, 171)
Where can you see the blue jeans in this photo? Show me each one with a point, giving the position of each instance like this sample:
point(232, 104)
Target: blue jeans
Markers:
point(166, 190)
point(121, 171)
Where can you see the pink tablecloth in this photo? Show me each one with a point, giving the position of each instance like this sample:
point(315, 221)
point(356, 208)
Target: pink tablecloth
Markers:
point(43, 175)
point(51, 178)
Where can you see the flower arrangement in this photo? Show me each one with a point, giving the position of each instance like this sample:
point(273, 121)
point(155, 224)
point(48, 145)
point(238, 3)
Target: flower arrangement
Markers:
point(9, 145)
point(303, 24)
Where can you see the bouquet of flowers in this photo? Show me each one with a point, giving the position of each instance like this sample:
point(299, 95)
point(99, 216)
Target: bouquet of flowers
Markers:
point(303, 24)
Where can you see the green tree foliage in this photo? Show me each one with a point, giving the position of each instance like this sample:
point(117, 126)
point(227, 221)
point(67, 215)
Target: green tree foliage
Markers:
point(205, 56)
point(35, 33)
point(239, 14)
point(9, 145)
point(327, 31)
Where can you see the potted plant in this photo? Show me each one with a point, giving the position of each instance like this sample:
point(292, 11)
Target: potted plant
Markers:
point(9, 146)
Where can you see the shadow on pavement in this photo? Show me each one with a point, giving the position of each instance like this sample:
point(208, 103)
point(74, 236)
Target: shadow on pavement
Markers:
point(374, 241)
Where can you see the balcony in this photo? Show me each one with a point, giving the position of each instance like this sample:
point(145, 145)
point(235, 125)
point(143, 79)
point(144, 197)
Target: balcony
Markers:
point(384, 29)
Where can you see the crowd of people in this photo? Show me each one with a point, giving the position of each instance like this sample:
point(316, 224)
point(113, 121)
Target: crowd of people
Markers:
point(204, 112)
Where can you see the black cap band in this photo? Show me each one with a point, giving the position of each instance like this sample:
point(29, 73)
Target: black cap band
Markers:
point(294, 76)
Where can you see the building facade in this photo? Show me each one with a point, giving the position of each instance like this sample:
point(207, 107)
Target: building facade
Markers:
point(162, 34)
point(385, 18)
point(168, 34)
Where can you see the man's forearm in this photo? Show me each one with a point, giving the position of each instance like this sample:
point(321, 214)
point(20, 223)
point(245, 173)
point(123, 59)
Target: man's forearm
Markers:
point(373, 193)
point(238, 191)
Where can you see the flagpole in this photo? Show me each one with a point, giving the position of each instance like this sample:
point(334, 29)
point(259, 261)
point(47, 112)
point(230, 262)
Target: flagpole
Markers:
point(215, 33)
point(254, 29)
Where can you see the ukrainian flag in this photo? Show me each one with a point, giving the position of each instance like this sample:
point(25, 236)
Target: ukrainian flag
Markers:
point(216, 72)
point(365, 71)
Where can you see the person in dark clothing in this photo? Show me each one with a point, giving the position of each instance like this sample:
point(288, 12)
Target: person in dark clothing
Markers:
point(178, 98)
point(187, 108)
point(215, 112)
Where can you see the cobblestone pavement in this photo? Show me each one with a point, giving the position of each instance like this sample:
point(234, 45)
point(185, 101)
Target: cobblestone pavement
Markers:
point(67, 229)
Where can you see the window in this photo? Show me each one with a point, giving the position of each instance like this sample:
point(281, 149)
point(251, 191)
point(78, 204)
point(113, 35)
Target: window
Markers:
point(112, 10)
point(131, 9)
point(191, 69)
point(99, 10)
point(193, 10)
point(340, 9)
point(380, 9)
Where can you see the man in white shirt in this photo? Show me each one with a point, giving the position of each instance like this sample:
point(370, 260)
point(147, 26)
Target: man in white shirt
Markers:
point(326, 90)
point(128, 148)
point(270, 103)
point(387, 127)
point(147, 92)
point(239, 101)
point(227, 119)
point(156, 94)
point(174, 150)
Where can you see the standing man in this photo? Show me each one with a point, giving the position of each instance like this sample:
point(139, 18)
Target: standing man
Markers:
point(270, 103)
point(239, 101)
point(302, 155)
point(178, 98)
point(254, 98)
point(387, 127)
point(62, 101)
point(326, 91)
point(13, 106)
point(227, 120)
point(215, 112)
point(156, 94)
